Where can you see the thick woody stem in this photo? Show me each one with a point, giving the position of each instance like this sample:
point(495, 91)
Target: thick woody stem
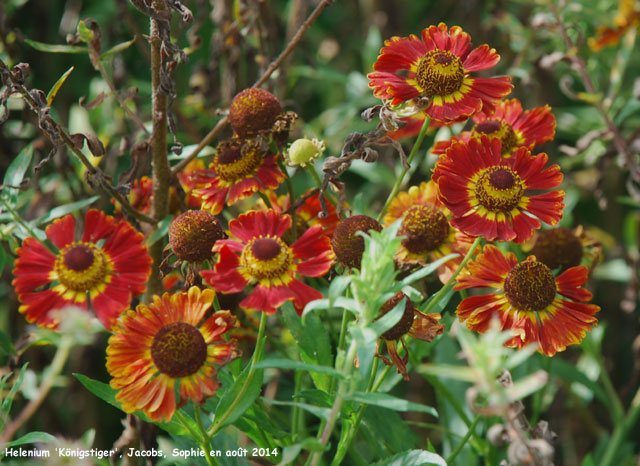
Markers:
point(160, 162)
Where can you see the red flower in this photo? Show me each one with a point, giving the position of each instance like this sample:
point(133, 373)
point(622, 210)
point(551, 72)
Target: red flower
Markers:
point(102, 271)
point(487, 194)
point(509, 123)
point(239, 169)
point(259, 255)
point(527, 301)
point(437, 66)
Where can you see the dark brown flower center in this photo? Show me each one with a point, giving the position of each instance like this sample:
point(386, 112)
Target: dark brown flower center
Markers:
point(347, 244)
point(530, 286)
point(78, 258)
point(82, 266)
point(265, 249)
point(499, 189)
point(265, 258)
point(440, 73)
point(234, 162)
point(178, 350)
point(558, 248)
point(497, 129)
point(425, 228)
point(405, 322)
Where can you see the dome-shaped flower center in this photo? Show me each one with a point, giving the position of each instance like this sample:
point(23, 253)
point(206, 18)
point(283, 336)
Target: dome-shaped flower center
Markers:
point(558, 248)
point(266, 258)
point(178, 350)
point(232, 163)
point(497, 129)
point(405, 322)
point(499, 189)
point(440, 73)
point(425, 228)
point(530, 286)
point(81, 266)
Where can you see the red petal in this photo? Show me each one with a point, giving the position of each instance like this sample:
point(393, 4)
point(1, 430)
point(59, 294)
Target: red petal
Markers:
point(267, 299)
point(570, 283)
point(62, 231)
point(481, 58)
point(259, 223)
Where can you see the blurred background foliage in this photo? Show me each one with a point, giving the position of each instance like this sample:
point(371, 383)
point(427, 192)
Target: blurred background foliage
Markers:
point(229, 44)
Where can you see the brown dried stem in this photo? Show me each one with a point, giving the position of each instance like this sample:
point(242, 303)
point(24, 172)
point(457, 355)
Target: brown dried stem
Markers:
point(95, 172)
point(295, 40)
point(580, 66)
point(161, 169)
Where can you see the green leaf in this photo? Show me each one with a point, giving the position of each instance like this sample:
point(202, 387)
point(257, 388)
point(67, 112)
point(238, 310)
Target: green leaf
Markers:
point(322, 413)
point(291, 452)
point(32, 437)
point(297, 366)
point(56, 87)
point(319, 397)
point(65, 209)
point(119, 48)
point(384, 400)
point(450, 371)
point(108, 394)
point(161, 231)
point(313, 341)
point(413, 458)
point(248, 398)
point(428, 270)
point(15, 174)
point(56, 48)
point(442, 302)
point(8, 401)
point(5, 341)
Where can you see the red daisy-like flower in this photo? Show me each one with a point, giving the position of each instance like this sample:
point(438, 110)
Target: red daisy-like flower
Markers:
point(167, 343)
point(258, 254)
point(307, 213)
point(102, 271)
point(512, 125)
point(437, 66)
point(239, 169)
point(541, 308)
point(487, 194)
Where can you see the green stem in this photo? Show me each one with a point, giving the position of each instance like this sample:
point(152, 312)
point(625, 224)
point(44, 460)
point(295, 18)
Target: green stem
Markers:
point(292, 197)
point(412, 154)
point(452, 279)
point(257, 357)
point(621, 431)
point(202, 439)
point(312, 171)
point(341, 340)
point(295, 414)
point(617, 410)
point(49, 377)
point(464, 441)
point(266, 200)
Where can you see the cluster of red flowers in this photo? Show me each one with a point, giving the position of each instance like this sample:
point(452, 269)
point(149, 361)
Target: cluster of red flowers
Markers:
point(486, 183)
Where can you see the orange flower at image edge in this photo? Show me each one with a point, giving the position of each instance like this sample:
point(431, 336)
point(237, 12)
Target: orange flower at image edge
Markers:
point(164, 344)
point(102, 271)
point(437, 65)
point(542, 309)
point(259, 255)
